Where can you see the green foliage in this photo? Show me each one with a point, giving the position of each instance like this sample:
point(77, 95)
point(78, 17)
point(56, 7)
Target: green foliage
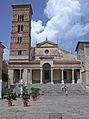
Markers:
point(20, 85)
point(25, 95)
point(34, 91)
point(4, 77)
point(9, 93)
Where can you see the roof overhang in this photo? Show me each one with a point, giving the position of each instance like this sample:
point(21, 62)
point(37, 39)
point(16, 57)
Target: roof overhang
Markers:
point(81, 42)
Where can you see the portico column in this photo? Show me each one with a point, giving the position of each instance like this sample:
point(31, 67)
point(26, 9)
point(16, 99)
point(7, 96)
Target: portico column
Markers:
point(26, 76)
point(80, 74)
point(51, 76)
point(21, 82)
point(20, 74)
point(30, 76)
point(73, 81)
point(0, 88)
point(41, 76)
point(62, 81)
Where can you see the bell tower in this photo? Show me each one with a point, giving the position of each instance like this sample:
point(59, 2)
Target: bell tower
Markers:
point(21, 33)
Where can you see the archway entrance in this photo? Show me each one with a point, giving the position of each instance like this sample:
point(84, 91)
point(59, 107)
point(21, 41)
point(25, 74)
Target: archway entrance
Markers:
point(46, 73)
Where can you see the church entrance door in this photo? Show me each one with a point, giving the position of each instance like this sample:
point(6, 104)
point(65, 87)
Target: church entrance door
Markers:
point(46, 73)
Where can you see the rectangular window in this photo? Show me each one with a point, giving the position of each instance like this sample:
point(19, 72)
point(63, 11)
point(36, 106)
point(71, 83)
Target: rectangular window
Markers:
point(19, 52)
point(21, 28)
point(18, 17)
point(18, 28)
point(22, 17)
point(19, 40)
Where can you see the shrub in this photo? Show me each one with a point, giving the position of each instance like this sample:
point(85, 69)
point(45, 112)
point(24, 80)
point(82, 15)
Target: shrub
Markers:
point(25, 95)
point(9, 93)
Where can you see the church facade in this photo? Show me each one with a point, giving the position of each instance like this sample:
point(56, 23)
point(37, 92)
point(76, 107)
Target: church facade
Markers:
point(45, 63)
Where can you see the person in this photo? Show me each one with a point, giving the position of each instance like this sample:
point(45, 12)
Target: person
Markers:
point(62, 87)
point(66, 93)
point(65, 88)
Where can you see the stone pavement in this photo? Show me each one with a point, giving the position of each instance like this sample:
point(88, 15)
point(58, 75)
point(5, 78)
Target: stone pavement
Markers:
point(48, 107)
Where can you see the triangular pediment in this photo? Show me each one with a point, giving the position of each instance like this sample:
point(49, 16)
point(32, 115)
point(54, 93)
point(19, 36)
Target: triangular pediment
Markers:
point(46, 43)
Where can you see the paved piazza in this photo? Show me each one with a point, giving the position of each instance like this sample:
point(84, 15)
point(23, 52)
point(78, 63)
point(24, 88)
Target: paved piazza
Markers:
point(48, 107)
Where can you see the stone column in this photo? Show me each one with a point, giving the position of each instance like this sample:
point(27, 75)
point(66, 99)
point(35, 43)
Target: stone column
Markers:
point(51, 76)
point(0, 88)
point(62, 81)
point(73, 81)
point(20, 74)
point(11, 76)
point(26, 77)
point(80, 75)
point(41, 76)
point(30, 76)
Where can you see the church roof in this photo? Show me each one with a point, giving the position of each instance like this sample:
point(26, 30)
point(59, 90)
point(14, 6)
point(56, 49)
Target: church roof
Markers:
point(47, 43)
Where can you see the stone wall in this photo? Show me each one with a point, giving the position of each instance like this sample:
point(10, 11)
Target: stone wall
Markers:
point(83, 55)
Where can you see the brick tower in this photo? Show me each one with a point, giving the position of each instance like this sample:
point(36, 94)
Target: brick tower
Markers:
point(21, 33)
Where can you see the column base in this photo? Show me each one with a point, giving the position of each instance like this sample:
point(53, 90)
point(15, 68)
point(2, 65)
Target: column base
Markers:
point(52, 83)
point(73, 81)
point(62, 82)
point(41, 82)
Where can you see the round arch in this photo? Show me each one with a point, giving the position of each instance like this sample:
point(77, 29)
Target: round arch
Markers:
point(46, 73)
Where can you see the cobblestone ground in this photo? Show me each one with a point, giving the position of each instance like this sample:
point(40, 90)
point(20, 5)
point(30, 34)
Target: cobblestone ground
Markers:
point(48, 107)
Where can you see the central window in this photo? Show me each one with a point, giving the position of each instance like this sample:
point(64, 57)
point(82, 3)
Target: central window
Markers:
point(46, 51)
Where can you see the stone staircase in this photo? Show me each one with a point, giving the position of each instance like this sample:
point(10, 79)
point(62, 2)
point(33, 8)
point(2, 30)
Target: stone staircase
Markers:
point(56, 89)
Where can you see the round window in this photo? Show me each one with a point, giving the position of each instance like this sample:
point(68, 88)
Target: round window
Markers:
point(46, 51)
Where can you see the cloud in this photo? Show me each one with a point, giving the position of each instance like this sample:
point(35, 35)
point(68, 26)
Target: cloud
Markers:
point(68, 21)
point(6, 54)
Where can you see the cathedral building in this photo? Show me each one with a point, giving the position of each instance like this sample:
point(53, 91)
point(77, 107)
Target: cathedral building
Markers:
point(46, 62)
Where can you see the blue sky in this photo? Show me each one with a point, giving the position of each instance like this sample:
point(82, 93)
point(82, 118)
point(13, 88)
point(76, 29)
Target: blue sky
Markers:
point(65, 21)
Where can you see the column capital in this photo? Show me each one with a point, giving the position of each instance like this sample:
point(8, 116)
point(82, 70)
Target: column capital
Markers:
point(52, 69)
point(30, 69)
point(62, 69)
point(40, 69)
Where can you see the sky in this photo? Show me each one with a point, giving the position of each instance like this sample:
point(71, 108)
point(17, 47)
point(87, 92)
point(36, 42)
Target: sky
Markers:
point(62, 21)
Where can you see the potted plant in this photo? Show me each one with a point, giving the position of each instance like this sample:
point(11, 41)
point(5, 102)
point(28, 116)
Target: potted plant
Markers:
point(9, 96)
point(25, 96)
point(34, 94)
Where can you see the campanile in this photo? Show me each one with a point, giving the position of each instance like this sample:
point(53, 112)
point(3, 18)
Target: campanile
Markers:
point(21, 33)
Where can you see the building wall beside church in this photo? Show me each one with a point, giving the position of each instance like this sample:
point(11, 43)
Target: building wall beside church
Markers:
point(1, 63)
point(83, 55)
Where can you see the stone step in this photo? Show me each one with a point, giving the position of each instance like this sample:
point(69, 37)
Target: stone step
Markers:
point(56, 89)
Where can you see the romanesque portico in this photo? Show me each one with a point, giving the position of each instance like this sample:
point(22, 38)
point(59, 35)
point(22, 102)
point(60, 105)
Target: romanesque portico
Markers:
point(47, 72)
